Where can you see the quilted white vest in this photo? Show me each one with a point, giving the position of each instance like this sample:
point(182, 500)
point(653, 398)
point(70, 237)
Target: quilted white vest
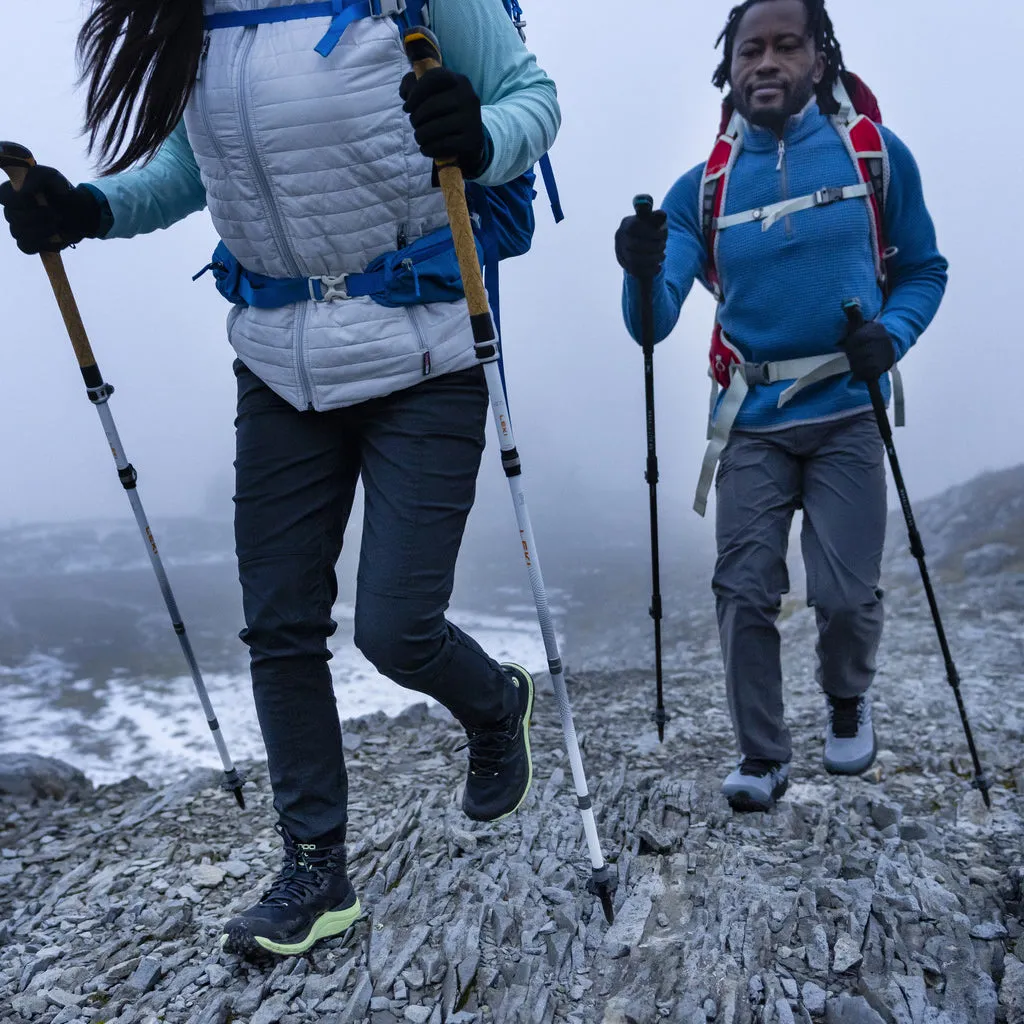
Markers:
point(311, 168)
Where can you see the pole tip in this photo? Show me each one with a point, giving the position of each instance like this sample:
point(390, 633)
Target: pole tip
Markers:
point(981, 782)
point(661, 720)
point(233, 782)
point(603, 884)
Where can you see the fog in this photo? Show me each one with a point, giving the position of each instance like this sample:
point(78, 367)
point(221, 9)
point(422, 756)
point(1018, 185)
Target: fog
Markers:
point(638, 111)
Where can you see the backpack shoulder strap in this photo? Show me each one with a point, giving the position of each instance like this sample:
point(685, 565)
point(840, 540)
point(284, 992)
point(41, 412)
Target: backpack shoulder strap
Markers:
point(867, 149)
point(714, 187)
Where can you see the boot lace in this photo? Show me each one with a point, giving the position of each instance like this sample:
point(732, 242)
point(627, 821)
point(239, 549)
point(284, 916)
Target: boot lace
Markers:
point(846, 715)
point(305, 869)
point(757, 767)
point(488, 747)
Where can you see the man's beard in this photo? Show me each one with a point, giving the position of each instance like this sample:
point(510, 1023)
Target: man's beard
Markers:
point(794, 100)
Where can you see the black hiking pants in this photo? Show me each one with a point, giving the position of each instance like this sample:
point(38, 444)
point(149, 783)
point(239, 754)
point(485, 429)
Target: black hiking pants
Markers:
point(417, 452)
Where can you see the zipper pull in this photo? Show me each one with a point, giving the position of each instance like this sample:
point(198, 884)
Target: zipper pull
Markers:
point(204, 53)
point(402, 239)
point(782, 154)
point(426, 363)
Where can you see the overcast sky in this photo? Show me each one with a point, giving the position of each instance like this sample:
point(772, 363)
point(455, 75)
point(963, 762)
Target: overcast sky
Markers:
point(638, 111)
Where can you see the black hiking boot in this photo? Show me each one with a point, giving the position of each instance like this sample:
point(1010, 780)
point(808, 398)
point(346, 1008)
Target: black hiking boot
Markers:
point(311, 899)
point(500, 767)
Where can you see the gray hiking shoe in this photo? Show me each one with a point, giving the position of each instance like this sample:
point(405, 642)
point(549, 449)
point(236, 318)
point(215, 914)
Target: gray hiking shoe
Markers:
point(755, 785)
point(850, 742)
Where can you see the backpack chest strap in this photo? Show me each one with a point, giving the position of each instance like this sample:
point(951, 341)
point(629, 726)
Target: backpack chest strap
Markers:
point(342, 12)
point(766, 216)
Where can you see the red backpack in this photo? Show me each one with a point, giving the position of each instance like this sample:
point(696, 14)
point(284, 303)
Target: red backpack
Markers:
point(857, 123)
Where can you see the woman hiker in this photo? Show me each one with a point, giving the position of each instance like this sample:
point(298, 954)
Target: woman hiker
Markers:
point(311, 144)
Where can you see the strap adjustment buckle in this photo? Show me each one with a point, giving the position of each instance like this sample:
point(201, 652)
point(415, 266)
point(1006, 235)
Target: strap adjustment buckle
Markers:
point(756, 373)
point(827, 196)
point(386, 8)
point(329, 287)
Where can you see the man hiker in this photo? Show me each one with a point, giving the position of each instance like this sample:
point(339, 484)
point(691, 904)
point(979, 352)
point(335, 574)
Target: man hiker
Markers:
point(804, 205)
point(311, 142)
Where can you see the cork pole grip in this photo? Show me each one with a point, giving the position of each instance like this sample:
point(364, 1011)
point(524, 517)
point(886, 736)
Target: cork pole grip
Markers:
point(16, 160)
point(425, 54)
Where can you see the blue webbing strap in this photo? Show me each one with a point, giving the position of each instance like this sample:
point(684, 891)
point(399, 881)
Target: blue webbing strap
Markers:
point(551, 187)
point(343, 13)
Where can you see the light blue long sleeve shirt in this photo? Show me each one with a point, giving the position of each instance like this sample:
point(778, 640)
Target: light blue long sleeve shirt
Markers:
point(520, 114)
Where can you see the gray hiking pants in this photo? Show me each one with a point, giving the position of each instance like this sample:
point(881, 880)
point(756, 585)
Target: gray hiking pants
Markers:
point(835, 472)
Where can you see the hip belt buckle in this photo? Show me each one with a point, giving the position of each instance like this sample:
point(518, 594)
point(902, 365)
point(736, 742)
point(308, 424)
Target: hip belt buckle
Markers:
point(330, 288)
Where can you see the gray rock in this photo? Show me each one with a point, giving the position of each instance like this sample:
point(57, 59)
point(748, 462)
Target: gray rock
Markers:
point(654, 839)
point(271, 1011)
point(355, 1008)
point(850, 1010)
point(251, 997)
point(885, 815)
point(216, 1011)
point(32, 777)
point(146, 974)
point(814, 998)
point(988, 559)
point(631, 919)
point(1011, 992)
point(982, 875)
point(846, 954)
point(417, 1014)
point(234, 868)
point(206, 876)
point(217, 975)
point(988, 930)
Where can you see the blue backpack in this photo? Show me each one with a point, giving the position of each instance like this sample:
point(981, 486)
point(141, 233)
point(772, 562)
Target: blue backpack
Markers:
point(503, 214)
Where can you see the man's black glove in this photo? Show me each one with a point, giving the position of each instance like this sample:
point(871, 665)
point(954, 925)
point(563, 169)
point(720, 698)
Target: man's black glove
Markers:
point(640, 244)
point(870, 351)
point(69, 214)
point(445, 114)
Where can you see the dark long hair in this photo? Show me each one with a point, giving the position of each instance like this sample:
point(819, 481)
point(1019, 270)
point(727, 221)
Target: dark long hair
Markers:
point(140, 59)
point(819, 28)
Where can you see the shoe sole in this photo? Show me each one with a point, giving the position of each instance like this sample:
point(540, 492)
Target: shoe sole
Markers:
point(240, 940)
point(746, 803)
point(526, 741)
point(836, 768)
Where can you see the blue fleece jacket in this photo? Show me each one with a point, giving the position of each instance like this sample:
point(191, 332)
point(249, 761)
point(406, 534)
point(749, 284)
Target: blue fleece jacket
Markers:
point(520, 114)
point(784, 288)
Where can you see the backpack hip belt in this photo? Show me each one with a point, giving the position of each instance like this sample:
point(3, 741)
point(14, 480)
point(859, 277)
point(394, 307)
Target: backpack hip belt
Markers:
point(746, 375)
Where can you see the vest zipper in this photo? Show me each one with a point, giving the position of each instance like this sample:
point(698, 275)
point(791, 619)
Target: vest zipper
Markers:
point(204, 110)
point(273, 214)
point(414, 319)
point(784, 183)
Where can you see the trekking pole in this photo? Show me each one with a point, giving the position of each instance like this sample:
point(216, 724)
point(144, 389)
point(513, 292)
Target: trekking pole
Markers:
point(855, 318)
point(644, 207)
point(16, 160)
point(424, 53)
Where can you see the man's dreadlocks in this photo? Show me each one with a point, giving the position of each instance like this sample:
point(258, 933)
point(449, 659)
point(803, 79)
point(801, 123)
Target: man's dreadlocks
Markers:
point(819, 27)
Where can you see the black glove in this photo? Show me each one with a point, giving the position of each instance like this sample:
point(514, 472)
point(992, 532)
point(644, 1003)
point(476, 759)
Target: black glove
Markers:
point(445, 114)
point(70, 213)
point(870, 351)
point(640, 244)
